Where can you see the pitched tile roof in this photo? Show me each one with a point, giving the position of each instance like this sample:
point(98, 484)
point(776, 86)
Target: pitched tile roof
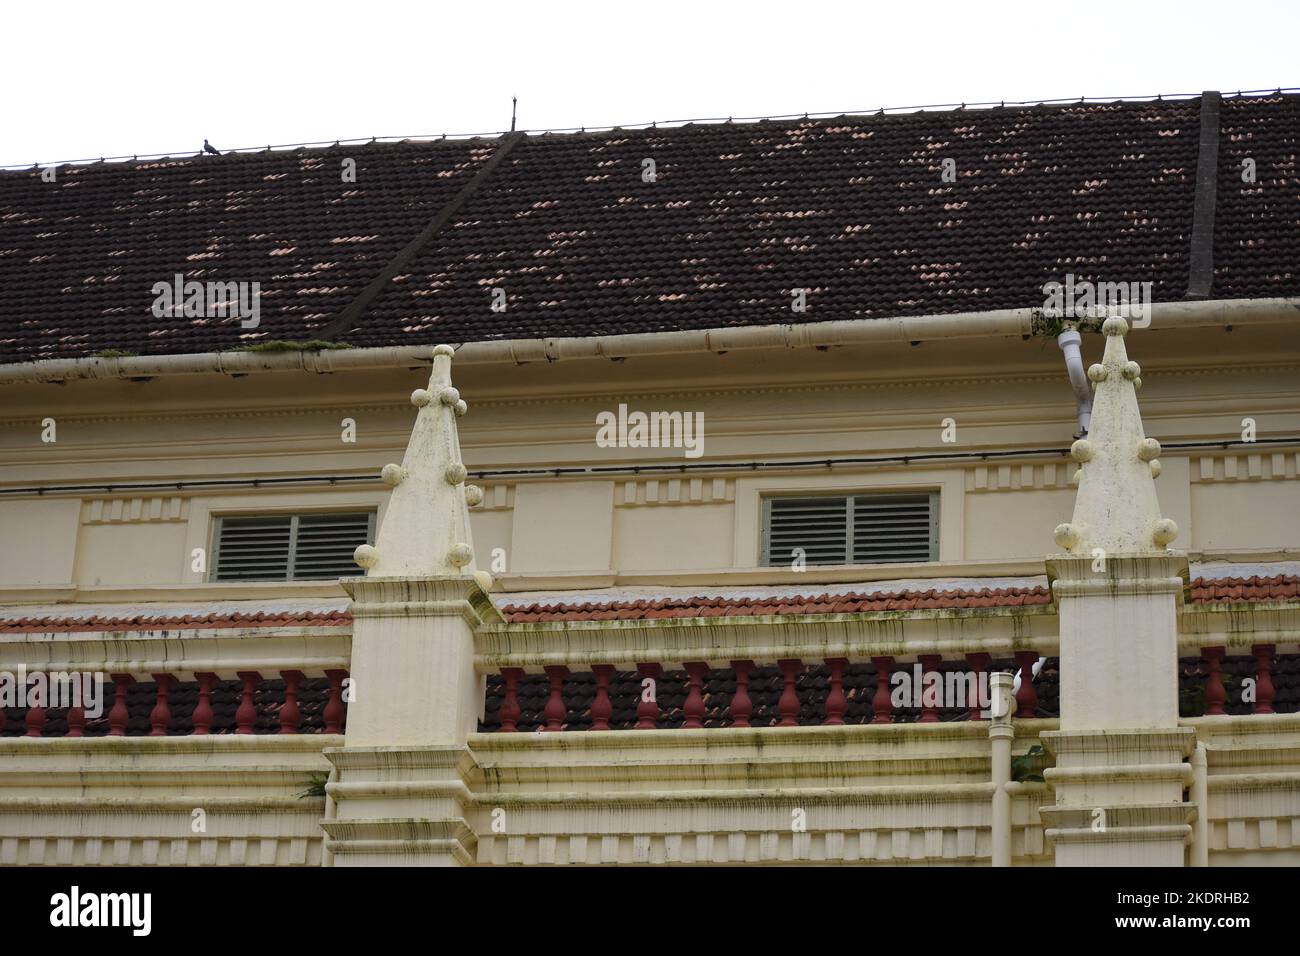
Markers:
point(79, 256)
point(854, 209)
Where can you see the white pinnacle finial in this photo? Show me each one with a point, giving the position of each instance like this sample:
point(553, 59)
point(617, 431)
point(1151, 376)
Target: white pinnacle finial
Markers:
point(425, 532)
point(1116, 508)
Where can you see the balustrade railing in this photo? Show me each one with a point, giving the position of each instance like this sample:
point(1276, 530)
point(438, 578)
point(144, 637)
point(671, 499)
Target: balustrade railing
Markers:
point(788, 693)
point(166, 705)
point(1249, 678)
point(836, 691)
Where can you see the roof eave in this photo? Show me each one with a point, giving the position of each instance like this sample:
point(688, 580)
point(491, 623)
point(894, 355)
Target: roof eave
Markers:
point(874, 331)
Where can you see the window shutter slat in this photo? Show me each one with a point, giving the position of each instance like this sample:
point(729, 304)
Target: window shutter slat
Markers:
point(850, 529)
point(305, 547)
point(891, 528)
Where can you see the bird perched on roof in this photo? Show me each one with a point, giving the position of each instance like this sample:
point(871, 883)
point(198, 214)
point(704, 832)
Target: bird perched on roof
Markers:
point(209, 148)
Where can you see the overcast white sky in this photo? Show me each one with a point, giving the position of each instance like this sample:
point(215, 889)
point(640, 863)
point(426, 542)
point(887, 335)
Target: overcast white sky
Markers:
point(87, 79)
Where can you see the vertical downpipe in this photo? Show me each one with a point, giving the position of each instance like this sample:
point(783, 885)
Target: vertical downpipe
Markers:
point(1000, 736)
point(1069, 342)
point(1201, 797)
point(326, 854)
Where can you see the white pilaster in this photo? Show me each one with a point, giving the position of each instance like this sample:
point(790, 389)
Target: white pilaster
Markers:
point(401, 792)
point(1120, 769)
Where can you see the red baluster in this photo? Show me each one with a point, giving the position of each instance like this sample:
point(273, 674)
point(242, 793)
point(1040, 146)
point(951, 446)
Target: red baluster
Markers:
point(647, 708)
point(333, 712)
point(202, 717)
point(119, 715)
point(161, 715)
point(1214, 693)
point(694, 706)
point(246, 715)
point(881, 704)
point(36, 699)
point(510, 703)
point(979, 664)
point(554, 712)
point(1026, 696)
point(741, 705)
point(930, 698)
point(1264, 691)
point(836, 702)
point(789, 703)
point(290, 712)
point(76, 722)
point(601, 708)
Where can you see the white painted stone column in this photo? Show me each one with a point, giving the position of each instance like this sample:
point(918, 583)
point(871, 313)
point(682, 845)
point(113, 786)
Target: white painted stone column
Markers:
point(1120, 773)
point(402, 785)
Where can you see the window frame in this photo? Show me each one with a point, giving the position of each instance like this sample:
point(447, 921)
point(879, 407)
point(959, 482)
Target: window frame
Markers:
point(218, 521)
point(850, 497)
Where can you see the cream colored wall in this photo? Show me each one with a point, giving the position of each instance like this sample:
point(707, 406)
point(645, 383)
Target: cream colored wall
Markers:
point(168, 801)
point(897, 795)
point(1002, 394)
point(38, 541)
point(903, 794)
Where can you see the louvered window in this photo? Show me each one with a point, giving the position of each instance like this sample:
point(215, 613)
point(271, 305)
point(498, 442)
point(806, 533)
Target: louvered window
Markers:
point(305, 547)
point(851, 529)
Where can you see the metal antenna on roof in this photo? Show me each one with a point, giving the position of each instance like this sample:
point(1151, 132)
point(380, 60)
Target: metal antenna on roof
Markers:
point(514, 106)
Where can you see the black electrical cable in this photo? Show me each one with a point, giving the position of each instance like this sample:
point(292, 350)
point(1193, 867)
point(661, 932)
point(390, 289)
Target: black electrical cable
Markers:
point(599, 470)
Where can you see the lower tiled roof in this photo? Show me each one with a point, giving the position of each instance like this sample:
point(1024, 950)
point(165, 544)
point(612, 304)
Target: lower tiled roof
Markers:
point(852, 603)
point(1279, 587)
point(147, 622)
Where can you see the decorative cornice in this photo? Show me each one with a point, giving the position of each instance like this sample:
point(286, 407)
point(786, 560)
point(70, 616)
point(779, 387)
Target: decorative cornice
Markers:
point(136, 509)
point(1248, 466)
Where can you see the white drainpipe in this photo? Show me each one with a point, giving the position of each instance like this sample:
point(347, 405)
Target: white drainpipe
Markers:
point(1069, 342)
point(1201, 797)
point(1001, 733)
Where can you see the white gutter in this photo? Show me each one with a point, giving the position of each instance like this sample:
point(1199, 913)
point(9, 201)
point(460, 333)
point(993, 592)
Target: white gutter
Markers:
point(1004, 322)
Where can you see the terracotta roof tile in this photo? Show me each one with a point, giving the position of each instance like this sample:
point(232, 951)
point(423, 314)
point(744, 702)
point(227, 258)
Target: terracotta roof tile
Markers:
point(1203, 591)
point(853, 603)
point(148, 622)
point(1282, 587)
